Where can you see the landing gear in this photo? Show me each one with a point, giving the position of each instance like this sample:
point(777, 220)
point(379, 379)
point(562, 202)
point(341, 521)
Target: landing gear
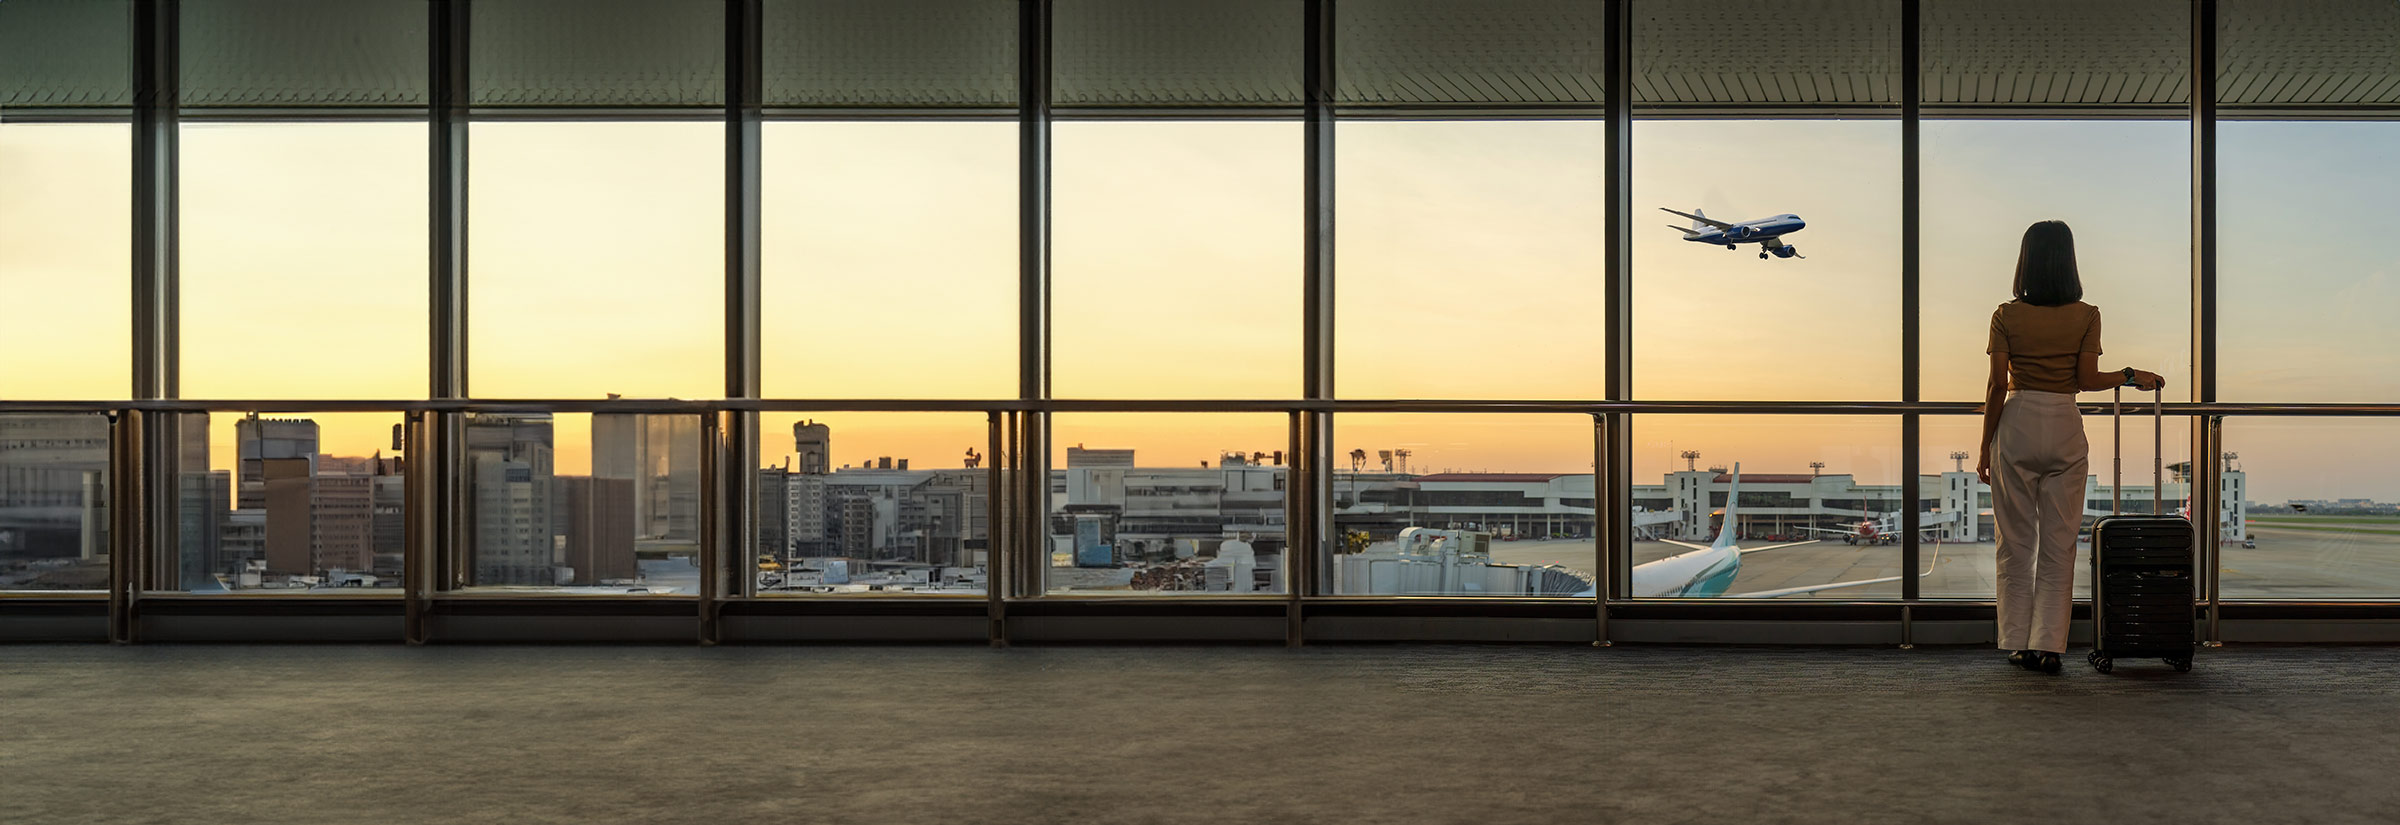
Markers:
point(1762, 256)
point(1732, 246)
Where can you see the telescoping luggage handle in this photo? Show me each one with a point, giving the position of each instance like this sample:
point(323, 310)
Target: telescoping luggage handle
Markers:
point(2158, 440)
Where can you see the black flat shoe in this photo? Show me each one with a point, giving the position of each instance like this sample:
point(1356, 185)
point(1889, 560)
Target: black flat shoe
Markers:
point(2048, 663)
point(2024, 658)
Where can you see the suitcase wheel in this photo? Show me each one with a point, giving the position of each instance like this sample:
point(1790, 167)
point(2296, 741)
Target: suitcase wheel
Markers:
point(2101, 662)
point(2181, 664)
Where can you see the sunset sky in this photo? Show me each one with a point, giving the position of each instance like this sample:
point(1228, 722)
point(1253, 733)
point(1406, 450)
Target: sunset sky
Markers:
point(1469, 265)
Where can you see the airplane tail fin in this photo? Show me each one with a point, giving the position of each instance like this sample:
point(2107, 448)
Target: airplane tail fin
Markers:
point(1699, 226)
point(1733, 497)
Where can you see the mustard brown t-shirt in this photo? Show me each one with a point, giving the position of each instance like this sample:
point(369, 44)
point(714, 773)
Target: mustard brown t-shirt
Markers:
point(2043, 343)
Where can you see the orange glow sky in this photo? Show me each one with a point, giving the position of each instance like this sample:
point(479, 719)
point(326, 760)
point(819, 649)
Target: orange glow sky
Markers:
point(1469, 266)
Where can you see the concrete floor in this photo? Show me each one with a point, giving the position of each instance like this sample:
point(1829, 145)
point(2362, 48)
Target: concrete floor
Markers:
point(169, 734)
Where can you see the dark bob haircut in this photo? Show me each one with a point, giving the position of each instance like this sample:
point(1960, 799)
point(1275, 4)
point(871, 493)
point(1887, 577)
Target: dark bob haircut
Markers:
point(2046, 266)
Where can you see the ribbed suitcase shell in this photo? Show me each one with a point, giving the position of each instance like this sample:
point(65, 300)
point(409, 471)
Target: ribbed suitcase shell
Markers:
point(2143, 602)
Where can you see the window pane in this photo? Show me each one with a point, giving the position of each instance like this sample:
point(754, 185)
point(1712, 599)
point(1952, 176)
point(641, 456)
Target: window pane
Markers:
point(856, 303)
point(283, 503)
point(2305, 285)
point(1167, 503)
point(929, 53)
point(2331, 53)
point(599, 260)
point(1807, 482)
point(2319, 520)
point(1737, 301)
point(2118, 57)
point(598, 53)
point(2124, 187)
point(1712, 323)
point(1197, 53)
point(1470, 259)
point(1435, 53)
point(53, 502)
point(1951, 446)
point(64, 53)
point(303, 52)
point(65, 261)
point(304, 258)
point(1715, 55)
point(1462, 505)
point(590, 504)
point(868, 503)
point(1176, 263)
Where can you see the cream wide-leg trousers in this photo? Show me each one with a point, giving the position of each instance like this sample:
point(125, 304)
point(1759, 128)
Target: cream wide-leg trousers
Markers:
point(2039, 466)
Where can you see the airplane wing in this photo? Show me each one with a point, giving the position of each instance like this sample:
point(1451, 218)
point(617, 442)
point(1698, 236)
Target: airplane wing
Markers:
point(1749, 550)
point(1707, 220)
point(1685, 544)
point(1772, 243)
point(1683, 229)
point(1795, 591)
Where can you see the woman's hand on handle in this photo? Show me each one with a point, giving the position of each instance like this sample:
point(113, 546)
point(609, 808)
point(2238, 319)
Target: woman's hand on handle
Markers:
point(2148, 381)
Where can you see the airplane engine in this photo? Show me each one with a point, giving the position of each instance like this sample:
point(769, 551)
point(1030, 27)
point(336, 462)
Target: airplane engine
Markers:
point(1786, 251)
point(1741, 232)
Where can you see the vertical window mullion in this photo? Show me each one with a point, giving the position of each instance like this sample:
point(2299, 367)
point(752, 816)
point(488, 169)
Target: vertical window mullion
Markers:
point(1911, 112)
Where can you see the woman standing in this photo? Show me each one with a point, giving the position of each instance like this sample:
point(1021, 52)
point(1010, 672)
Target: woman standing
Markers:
point(2045, 347)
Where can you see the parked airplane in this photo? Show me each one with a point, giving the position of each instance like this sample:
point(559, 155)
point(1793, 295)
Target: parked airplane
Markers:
point(1766, 232)
point(1884, 529)
point(1710, 570)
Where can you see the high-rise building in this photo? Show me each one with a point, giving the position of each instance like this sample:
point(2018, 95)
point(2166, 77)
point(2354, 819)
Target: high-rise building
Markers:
point(661, 455)
point(774, 513)
point(342, 518)
point(224, 555)
point(390, 497)
point(510, 457)
point(49, 468)
point(256, 441)
point(805, 515)
point(285, 494)
point(812, 441)
point(598, 539)
point(200, 504)
point(857, 538)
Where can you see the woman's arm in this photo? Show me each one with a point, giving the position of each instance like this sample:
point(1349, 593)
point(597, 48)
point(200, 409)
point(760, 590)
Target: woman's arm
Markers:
point(1995, 393)
point(2088, 376)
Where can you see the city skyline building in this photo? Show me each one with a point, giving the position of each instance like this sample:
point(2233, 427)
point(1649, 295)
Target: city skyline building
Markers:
point(510, 456)
point(812, 444)
point(660, 454)
point(54, 496)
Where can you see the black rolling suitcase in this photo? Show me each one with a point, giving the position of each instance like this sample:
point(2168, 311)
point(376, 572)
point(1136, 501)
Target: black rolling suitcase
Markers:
point(2143, 602)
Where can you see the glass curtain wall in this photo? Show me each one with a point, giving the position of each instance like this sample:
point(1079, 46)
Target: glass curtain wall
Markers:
point(1469, 255)
point(2305, 288)
point(2105, 148)
point(1766, 267)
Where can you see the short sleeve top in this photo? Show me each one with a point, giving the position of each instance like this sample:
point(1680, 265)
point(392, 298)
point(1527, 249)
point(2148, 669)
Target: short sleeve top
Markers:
point(2044, 343)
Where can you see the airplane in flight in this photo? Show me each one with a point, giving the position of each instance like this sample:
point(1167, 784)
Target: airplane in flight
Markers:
point(1709, 570)
point(1766, 232)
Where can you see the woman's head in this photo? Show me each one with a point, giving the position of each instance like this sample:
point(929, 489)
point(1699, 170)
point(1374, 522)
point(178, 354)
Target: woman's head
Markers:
point(2046, 266)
